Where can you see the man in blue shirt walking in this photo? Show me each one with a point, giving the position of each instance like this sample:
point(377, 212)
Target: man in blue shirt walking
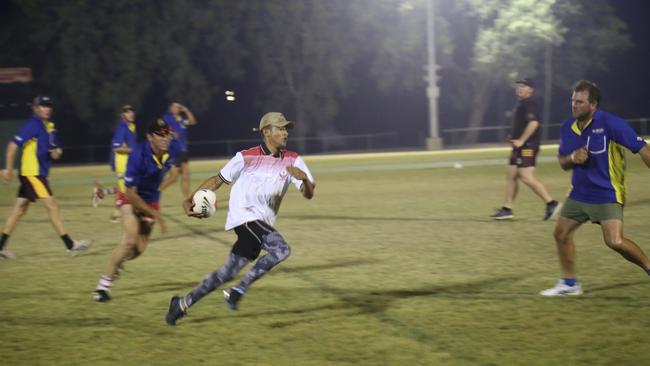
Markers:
point(39, 145)
point(593, 144)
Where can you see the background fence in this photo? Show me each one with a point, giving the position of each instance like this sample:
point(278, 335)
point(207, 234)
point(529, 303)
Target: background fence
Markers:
point(452, 137)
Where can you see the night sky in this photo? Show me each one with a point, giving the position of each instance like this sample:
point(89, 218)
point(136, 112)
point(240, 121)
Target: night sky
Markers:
point(366, 110)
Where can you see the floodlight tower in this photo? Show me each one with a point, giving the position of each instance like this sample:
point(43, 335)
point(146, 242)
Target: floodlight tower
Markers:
point(433, 142)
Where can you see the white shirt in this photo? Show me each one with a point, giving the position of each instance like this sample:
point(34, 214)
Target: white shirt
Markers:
point(260, 181)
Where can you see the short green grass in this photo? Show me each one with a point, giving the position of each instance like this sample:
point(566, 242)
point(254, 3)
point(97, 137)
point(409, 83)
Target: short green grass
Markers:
point(395, 262)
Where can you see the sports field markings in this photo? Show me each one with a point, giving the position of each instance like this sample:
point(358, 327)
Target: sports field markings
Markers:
point(445, 164)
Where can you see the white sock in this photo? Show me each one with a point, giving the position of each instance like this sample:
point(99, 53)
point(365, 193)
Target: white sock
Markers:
point(105, 283)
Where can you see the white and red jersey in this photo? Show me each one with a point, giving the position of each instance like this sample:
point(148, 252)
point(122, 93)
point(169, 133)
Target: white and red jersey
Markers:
point(260, 181)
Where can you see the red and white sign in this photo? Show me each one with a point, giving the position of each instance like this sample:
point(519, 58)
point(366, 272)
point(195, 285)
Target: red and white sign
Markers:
point(15, 75)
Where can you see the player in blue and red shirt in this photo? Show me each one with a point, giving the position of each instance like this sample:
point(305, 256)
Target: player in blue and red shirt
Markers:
point(593, 145)
point(39, 145)
point(148, 164)
point(178, 118)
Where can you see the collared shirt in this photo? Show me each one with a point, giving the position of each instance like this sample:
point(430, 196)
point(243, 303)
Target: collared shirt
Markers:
point(601, 179)
point(179, 125)
point(146, 172)
point(260, 181)
point(36, 138)
point(525, 112)
point(124, 135)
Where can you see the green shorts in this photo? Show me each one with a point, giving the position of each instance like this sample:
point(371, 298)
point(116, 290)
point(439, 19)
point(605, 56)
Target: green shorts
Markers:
point(596, 213)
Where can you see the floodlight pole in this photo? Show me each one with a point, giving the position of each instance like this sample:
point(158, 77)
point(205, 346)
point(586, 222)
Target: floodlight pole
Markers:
point(433, 142)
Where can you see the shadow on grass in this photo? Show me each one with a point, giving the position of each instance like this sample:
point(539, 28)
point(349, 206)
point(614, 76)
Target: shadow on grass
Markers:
point(615, 286)
point(374, 303)
point(326, 266)
point(387, 218)
point(185, 286)
point(161, 287)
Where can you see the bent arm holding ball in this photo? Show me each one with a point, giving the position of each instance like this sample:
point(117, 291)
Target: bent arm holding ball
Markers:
point(213, 183)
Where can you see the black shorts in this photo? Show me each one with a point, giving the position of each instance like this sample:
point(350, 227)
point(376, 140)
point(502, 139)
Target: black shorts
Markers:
point(524, 157)
point(34, 187)
point(249, 238)
point(183, 157)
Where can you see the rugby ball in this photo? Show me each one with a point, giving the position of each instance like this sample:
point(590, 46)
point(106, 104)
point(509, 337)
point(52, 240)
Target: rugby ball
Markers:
point(205, 202)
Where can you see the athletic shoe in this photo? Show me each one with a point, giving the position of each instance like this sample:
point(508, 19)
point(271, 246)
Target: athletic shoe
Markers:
point(552, 209)
point(175, 311)
point(5, 254)
point(98, 194)
point(562, 289)
point(115, 219)
point(101, 296)
point(79, 246)
point(503, 213)
point(232, 297)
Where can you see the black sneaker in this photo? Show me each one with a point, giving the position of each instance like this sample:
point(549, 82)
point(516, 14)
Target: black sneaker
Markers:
point(503, 213)
point(101, 296)
point(175, 312)
point(552, 209)
point(232, 297)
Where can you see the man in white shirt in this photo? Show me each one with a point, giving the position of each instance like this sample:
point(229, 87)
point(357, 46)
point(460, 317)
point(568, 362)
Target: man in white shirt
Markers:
point(260, 177)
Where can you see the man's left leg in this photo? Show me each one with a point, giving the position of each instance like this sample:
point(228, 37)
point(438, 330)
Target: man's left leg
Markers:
point(613, 236)
point(74, 247)
point(527, 176)
point(277, 250)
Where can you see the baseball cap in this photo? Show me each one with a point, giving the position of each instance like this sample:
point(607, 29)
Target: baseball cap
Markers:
point(526, 81)
point(159, 127)
point(43, 100)
point(126, 108)
point(276, 119)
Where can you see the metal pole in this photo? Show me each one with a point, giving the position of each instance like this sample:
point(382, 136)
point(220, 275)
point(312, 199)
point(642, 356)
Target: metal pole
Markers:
point(434, 142)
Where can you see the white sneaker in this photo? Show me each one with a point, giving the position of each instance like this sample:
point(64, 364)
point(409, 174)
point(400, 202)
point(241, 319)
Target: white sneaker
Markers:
point(79, 246)
point(562, 289)
point(5, 254)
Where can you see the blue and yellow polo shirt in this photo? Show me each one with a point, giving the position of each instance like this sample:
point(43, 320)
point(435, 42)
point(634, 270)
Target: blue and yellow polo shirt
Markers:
point(124, 134)
point(602, 178)
point(35, 139)
point(179, 125)
point(146, 172)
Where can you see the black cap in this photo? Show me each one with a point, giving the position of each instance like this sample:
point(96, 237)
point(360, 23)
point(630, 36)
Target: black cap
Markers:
point(126, 108)
point(159, 126)
point(43, 100)
point(526, 81)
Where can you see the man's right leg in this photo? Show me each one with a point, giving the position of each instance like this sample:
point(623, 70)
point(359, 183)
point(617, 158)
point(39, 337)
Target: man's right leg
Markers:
point(566, 250)
point(20, 208)
point(124, 251)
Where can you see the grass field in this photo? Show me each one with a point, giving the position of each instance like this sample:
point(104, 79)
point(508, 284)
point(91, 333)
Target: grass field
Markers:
point(395, 262)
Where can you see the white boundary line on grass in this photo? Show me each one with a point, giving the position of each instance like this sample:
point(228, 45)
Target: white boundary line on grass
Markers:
point(419, 153)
